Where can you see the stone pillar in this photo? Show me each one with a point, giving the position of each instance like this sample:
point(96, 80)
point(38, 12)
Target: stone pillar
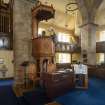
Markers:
point(88, 30)
point(88, 43)
point(22, 33)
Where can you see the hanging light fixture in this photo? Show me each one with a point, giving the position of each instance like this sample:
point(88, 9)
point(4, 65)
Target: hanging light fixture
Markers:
point(71, 6)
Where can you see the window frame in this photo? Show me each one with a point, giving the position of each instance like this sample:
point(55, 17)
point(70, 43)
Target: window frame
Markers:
point(63, 58)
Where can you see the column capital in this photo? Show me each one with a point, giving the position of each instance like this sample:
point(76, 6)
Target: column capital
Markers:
point(86, 24)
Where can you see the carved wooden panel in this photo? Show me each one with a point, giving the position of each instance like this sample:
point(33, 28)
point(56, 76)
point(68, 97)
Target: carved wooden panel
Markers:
point(58, 83)
point(100, 47)
point(42, 47)
point(66, 47)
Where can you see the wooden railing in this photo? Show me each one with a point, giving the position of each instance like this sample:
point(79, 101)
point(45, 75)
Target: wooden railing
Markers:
point(74, 48)
point(67, 48)
point(100, 47)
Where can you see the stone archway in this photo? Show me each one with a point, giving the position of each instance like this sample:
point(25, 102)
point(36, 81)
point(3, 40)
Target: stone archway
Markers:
point(88, 11)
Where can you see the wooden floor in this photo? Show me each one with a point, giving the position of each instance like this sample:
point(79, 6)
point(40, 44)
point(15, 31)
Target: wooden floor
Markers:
point(53, 103)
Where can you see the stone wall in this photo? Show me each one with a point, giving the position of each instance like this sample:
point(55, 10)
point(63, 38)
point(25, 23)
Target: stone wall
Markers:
point(22, 32)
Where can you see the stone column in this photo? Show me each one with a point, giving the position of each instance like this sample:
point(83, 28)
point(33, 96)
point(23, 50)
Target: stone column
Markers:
point(22, 33)
point(88, 30)
point(88, 42)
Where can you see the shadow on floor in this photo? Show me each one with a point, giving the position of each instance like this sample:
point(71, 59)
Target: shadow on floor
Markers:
point(95, 95)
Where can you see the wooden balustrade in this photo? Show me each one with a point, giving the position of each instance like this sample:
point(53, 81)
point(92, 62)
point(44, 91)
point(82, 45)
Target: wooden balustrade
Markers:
point(66, 47)
point(100, 47)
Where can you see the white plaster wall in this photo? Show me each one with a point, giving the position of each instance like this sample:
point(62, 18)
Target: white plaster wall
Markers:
point(7, 57)
point(100, 17)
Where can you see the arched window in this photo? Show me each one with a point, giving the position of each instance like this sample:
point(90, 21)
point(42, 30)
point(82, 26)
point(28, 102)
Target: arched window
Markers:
point(4, 42)
point(102, 36)
point(63, 58)
point(40, 30)
point(6, 24)
point(62, 37)
point(101, 57)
